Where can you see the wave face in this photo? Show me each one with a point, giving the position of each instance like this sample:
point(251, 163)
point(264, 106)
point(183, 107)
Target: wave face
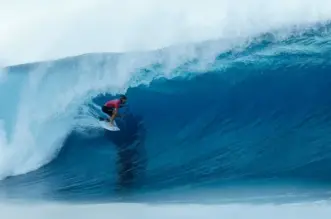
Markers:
point(198, 116)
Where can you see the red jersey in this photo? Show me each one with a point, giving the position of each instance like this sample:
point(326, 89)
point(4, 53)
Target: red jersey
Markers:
point(113, 103)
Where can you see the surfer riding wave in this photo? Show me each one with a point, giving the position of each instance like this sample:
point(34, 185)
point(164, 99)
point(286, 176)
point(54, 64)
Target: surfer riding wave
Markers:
point(111, 108)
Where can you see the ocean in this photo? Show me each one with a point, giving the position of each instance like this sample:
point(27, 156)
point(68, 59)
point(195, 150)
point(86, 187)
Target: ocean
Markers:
point(220, 122)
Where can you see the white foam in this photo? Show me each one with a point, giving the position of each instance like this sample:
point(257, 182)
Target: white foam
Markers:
point(41, 30)
point(173, 211)
point(38, 130)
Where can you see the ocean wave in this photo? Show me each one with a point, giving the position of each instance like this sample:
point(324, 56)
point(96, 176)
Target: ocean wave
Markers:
point(220, 111)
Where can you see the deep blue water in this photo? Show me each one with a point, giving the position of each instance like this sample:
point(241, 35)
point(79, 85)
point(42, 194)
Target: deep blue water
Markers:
point(256, 114)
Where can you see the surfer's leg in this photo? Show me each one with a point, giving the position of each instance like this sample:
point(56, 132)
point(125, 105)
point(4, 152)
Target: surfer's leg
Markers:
point(108, 111)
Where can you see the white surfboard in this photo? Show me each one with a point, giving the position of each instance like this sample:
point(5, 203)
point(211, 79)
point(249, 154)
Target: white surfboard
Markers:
point(107, 126)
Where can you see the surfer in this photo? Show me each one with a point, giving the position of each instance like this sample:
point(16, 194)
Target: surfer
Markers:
point(111, 108)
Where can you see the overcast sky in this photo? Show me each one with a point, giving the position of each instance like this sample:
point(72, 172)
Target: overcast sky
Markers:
point(33, 30)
